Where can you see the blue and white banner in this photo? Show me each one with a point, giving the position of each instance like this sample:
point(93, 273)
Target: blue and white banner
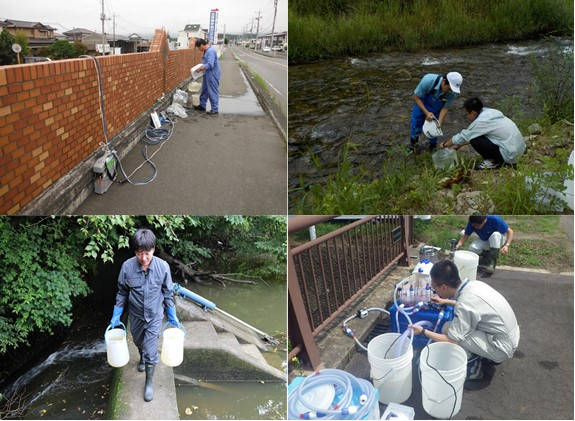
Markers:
point(213, 31)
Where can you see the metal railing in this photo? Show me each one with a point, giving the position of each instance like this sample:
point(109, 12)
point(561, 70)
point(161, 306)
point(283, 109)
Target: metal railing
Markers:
point(327, 274)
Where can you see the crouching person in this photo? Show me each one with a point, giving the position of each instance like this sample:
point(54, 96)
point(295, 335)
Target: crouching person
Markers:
point(484, 323)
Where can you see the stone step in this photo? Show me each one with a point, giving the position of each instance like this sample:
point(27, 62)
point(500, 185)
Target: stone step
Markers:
point(200, 335)
point(253, 352)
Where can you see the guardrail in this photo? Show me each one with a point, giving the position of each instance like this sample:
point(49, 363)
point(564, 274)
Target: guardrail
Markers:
point(327, 274)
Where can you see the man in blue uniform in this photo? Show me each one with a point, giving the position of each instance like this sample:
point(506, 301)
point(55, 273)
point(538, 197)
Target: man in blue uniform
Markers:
point(146, 284)
point(433, 98)
point(494, 235)
point(211, 81)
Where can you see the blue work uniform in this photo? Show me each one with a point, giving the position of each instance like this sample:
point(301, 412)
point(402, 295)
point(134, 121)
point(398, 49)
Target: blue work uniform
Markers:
point(148, 293)
point(494, 223)
point(429, 91)
point(211, 80)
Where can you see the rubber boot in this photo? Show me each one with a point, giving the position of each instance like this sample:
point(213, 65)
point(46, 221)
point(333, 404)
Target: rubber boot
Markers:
point(141, 365)
point(482, 259)
point(412, 144)
point(492, 256)
point(149, 387)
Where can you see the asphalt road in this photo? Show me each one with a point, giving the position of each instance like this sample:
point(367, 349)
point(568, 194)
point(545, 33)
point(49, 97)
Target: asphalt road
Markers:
point(272, 67)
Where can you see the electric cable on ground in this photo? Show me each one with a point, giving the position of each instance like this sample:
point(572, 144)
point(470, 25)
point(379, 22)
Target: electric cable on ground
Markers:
point(155, 137)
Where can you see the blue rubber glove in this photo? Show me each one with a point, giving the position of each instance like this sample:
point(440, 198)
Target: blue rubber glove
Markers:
point(116, 316)
point(172, 319)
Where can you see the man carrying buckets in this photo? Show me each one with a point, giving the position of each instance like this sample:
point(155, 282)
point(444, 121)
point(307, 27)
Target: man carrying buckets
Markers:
point(146, 283)
point(484, 323)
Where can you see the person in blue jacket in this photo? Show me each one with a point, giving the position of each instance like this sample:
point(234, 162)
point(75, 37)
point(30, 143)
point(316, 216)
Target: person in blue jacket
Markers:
point(493, 136)
point(494, 236)
point(433, 97)
point(211, 80)
point(145, 282)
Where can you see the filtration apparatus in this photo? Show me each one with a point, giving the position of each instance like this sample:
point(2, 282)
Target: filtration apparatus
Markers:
point(104, 173)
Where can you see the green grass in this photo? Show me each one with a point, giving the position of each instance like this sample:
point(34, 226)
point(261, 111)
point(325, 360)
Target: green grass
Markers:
point(335, 28)
point(539, 242)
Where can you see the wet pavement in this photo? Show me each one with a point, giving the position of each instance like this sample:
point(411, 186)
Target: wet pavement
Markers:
point(231, 163)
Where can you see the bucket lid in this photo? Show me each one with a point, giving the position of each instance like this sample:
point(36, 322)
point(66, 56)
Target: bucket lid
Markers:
point(319, 397)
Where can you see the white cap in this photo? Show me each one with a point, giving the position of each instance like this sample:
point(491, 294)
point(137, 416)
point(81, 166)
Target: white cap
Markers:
point(455, 80)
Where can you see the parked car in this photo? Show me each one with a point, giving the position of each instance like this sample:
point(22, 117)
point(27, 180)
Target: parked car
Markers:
point(277, 48)
point(35, 59)
point(266, 49)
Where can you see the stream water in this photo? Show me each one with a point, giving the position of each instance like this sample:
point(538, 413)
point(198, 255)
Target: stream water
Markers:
point(368, 101)
point(72, 381)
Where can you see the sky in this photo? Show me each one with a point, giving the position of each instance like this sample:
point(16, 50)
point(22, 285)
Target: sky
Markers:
point(144, 16)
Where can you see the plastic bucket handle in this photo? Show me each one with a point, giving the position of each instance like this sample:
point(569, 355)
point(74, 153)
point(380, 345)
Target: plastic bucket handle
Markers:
point(180, 326)
point(384, 376)
point(110, 326)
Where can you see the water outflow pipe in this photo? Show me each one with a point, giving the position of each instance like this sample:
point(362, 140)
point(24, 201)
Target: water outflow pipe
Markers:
point(348, 406)
point(208, 305)
point(186, 293)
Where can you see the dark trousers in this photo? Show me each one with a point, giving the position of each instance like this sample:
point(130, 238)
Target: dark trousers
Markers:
point(487, 149)
point(146, 336)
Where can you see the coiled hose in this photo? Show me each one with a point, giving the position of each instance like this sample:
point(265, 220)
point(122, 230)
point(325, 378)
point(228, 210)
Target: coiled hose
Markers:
point(354, 398)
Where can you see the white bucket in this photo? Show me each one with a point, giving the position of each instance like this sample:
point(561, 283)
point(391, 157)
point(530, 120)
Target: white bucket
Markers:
point(195, 73)
point(437, 396)
point(466, 262)
point(391, 375)
point(195, 100)
point(116, 346)
point(173, 346)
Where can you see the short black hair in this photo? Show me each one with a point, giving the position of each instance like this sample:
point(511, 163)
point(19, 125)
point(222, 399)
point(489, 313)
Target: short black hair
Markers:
point(473, 104)
point(476, 219)
point(445, 272)
point(144, 240)
point(200, 42)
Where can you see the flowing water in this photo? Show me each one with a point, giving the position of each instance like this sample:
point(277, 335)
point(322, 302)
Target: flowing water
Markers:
point(73, 381)
point(368, 101)
point(263, 306)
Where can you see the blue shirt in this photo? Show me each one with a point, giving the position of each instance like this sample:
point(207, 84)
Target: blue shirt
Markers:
point(494, 223)
point(427, 86)
point(211, 62)
point(147, 292)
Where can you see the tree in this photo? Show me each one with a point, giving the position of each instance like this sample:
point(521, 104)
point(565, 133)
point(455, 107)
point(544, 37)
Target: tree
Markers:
point(7, 56)
point(62, 49)
point(22, 39)
point(80, 48)
point(45, 261)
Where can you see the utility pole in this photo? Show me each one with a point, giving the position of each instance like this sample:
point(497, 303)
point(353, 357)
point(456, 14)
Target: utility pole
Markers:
point(103, 18)
point(114, 33)
point(258, 28)
point(274, 24)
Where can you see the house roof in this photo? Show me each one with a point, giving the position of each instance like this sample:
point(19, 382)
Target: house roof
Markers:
point(78, 31)
point(192, 28)
point(12, 23)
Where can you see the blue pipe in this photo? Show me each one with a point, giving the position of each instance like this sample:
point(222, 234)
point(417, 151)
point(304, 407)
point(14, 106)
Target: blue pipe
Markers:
point(186, 293)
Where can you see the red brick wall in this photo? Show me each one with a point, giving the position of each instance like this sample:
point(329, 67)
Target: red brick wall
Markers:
point(50, 118)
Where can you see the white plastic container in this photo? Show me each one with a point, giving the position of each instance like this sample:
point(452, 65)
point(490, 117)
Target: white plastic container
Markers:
point(437, 396)
point(391, 374)
point(116, 346)
point(466, 262)
point(172, 346)
point(395, 411)
point(195, 73)
point(195, 100)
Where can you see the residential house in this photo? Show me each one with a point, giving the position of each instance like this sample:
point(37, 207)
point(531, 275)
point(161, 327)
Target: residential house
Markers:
point(39, 35)
point(189, 34)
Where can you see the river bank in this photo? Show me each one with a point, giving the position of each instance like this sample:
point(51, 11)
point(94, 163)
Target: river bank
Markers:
point(349, 127)
point(327, 29)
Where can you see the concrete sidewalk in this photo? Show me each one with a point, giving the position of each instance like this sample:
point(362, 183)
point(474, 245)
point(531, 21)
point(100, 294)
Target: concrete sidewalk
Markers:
point(536, 384)
point(232, 163)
